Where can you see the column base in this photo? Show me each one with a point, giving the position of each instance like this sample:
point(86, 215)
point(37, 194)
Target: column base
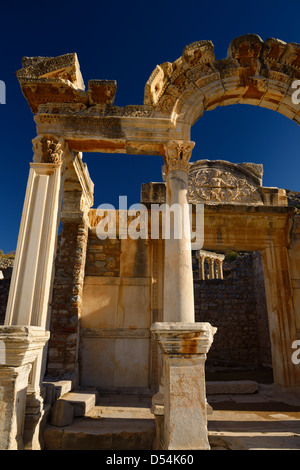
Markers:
point(19, 347)
point(181, 414)
point(35, 416)
point(158, 410)
point(13, 385)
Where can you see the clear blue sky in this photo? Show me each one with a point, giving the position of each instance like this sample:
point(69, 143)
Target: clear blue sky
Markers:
point(124, 41)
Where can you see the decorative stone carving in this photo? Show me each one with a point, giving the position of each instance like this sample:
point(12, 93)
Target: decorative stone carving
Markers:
point(48, 149)
point(246, 77)
point(61, 108)
point(218, 182)
point(52, 80)
point(246, 46)
point(177, 155)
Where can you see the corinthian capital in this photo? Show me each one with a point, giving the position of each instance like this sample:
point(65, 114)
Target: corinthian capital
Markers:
point(177, 155)
point(48, 149)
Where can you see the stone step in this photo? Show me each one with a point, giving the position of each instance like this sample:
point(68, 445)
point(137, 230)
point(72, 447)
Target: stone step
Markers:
point(231, 387)
point(116, 423)
point(101, 434)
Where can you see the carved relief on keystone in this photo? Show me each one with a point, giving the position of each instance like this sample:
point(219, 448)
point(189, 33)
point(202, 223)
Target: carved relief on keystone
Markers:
point(177, 155)
point(48, 149)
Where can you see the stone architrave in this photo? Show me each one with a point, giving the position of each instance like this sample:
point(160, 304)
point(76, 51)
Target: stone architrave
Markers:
point(184, 347)
point(178, 275)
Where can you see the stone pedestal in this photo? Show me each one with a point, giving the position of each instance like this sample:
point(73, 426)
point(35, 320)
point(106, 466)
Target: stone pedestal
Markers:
point(182, 401)
point(20, 346)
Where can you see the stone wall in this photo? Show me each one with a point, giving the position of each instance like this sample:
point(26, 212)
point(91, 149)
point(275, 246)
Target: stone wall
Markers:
point(116, 315)
point(237, 307)
point(103, 257)
point(67, 300)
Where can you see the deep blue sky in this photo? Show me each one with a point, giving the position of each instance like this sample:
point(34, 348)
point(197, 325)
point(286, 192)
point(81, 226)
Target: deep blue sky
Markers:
point(124, 41)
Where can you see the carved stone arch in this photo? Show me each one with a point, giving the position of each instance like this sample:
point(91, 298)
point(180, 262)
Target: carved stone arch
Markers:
point(254, 72)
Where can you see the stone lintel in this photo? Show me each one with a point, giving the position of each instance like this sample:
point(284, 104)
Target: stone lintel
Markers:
point(176, 338)
point(112, 134)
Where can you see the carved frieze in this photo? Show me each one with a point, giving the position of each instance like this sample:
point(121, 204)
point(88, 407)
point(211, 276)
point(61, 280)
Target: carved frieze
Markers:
point(221, 182)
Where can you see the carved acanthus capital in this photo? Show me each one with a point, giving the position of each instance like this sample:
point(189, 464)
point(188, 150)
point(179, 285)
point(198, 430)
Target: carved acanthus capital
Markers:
point(48, 149)
point(177, 155)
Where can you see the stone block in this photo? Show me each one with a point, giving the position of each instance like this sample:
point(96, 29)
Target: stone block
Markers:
point(81, 402)
point(62, 387)
point(62, 413)
point(50, 395)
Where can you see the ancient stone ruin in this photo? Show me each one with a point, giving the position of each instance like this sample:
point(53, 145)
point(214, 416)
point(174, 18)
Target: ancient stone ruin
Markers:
point(87, 315)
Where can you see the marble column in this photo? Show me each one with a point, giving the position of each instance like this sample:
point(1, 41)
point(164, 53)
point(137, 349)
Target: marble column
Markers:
point(219, 269)
point(28, 302)
point(211, 263)
point(179, 406)
point(201, 260)
point(178, 276)
point(32, 273)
